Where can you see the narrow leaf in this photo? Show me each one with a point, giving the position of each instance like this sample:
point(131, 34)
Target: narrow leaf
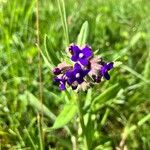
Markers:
point(68, 112)
point(82, 37)
point(144, 119)
point(46, 61)
point(135, 73)
point(62, 11)
point(147, 65)
point(135, 39)
point(107, 94)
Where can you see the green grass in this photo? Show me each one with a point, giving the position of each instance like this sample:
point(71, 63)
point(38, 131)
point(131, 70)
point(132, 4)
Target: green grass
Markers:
point(116, 113)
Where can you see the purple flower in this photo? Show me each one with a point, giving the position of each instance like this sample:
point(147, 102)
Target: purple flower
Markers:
point(77, 74)
point(105, 68)
point(81, 55)
point(62, 82)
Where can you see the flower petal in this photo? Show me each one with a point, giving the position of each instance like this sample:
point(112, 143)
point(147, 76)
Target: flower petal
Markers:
point(74, 58)
point(57, 80)
point(103, 70)
point(69, 73)
point(87, 51)
point(107, 76)
point(71, 77)
point(84, 61)
point(85, 72)
point(110, 65)
point(75, 49)
point(62, 86)
point(77, 66)
point(80, 80)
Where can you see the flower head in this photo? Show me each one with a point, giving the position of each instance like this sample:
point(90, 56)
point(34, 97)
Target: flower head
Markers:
point(80, 55)
point(86, 71)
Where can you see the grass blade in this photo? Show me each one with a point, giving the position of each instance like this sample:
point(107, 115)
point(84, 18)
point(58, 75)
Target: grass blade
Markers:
point(30, 139)
point(50, 53)
point(107, 94)
point(33, 101)
point(82, 37)
point(62, 11)
point(135, 73)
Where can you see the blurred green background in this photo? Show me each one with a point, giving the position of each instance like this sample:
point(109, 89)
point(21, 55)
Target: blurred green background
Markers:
point(118, 30)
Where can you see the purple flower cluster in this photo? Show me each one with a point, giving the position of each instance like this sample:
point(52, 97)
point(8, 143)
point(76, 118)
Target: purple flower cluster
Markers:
point(87, 69)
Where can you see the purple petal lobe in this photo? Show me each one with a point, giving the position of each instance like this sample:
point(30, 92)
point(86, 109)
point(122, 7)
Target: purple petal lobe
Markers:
point(84, 61)
point(71, 77)
point(74, 58)
point(62, 86)
point(75, 49)
point(107, 76)
point(87, 52)
point(57, 80)
point(80, 80)
point(69, 73)
point(110, 65)
point(77, 66)
point(104, 70)
point(85, 72)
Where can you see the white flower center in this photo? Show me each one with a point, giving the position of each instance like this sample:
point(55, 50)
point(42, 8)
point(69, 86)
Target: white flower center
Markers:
point(61, 82)
point(81, 55)
point(77, 75)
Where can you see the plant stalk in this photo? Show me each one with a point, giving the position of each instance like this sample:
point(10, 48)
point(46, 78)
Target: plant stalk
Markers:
point(86, 147)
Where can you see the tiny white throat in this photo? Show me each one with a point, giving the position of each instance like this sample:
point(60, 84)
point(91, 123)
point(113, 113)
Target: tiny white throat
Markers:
point(77, 75)
point(81, 55)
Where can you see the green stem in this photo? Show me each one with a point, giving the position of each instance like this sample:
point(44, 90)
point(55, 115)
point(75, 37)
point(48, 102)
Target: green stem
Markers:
point(82, 124)
point(41, 137)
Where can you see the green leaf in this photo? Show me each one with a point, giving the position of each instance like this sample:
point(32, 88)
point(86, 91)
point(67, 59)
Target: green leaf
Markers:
point(147, 66)
point(82, 37)
point(144, 119)
point(106, 95)
point(135, 39)
point(88, 99)
point(68, 112)
point(29, 11)
point(46, 60)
